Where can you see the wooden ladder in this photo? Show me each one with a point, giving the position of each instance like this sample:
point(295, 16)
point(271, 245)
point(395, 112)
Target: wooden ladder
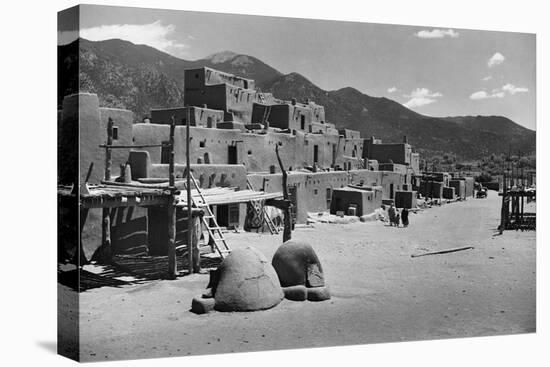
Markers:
point(267, 111)
point(214, 231)
point(262, 213)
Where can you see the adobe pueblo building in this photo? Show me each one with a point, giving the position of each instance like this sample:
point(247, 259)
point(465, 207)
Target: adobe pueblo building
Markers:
point(234, 130)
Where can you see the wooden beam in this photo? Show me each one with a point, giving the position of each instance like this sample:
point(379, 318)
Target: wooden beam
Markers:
point(287, 232)
point(110, 146)
point(190, 249)
point(172, 261)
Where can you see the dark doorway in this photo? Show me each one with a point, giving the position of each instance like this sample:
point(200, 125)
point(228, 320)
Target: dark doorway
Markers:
point(315, 154)
point(302, 122)
point(165, 153)
point(232, 154)
point(227, 215)
point(333, 154)
point(391, 191)
point(222, 215)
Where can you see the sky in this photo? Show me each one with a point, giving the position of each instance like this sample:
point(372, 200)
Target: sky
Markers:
point(433, 71)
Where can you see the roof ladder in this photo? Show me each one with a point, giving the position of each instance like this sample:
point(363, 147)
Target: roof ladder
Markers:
point(214, 230)
point(261, 212)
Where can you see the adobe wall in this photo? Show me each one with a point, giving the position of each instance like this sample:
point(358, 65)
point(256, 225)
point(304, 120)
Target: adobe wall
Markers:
point(213, 142)
point(128, 231)
point(398, 153)
point(89, 135)
point(390, 181)
point(366, 200)
point(207, 76)
point(207, 175)
point(83, 128)
point(317, 112)
point(312, 188)
point(279, 115)
point(353, 147)
point(255, 151)
point(122, 122)
point(223, 91)
point(213, 96)
point(67, 141)
point(202, 117)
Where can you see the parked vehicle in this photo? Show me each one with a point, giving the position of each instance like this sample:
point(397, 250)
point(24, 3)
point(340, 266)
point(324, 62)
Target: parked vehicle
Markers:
point(481, 193)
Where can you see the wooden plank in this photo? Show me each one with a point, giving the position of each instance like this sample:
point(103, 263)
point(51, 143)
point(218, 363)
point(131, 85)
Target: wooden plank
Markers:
point(111, 146)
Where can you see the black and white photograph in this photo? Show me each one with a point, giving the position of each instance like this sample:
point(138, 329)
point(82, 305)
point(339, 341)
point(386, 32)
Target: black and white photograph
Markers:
point(289, 183)
point(315, 183)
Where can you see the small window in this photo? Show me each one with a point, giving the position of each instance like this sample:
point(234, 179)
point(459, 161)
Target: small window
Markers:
point(115, 132)
point(202, 143)
point(249, 152)
point(197, 76)
point(315, 191)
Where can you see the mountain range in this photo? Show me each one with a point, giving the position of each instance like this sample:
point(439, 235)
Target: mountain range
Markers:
point(139, 77)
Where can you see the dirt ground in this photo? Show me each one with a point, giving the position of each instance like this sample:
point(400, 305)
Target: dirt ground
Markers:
point(379, 292)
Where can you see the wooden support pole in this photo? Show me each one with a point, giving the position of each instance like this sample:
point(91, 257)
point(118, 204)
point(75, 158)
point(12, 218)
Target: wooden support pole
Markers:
point(522, 207)
point(108, 157)
point(287, 232)
point(190, 226)
point(503, 209)
point(107, 251)
point(171, 210)
point(172, 264)
point(171, 176)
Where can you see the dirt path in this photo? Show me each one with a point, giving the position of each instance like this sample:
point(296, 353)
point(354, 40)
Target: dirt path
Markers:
point(380, 293)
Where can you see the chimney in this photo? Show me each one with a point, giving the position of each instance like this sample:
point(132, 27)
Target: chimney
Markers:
point(293, 101)
point(405, 139)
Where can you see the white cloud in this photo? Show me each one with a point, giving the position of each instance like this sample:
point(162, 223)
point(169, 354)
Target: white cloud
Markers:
point(512, 89)
point(498, 92)
point(496, 59)
point(437, 33)
point(479, 95)
point(484, 95)
point(392, 89)
point(421, 97)
point(487, 78)
point(154, 34)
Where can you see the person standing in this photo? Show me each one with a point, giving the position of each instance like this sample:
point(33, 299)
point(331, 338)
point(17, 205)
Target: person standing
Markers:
point(405, 217)
point(392, 214)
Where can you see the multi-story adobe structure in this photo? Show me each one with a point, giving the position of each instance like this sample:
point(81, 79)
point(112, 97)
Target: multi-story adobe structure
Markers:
point(397, 157)
point(234, 130)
